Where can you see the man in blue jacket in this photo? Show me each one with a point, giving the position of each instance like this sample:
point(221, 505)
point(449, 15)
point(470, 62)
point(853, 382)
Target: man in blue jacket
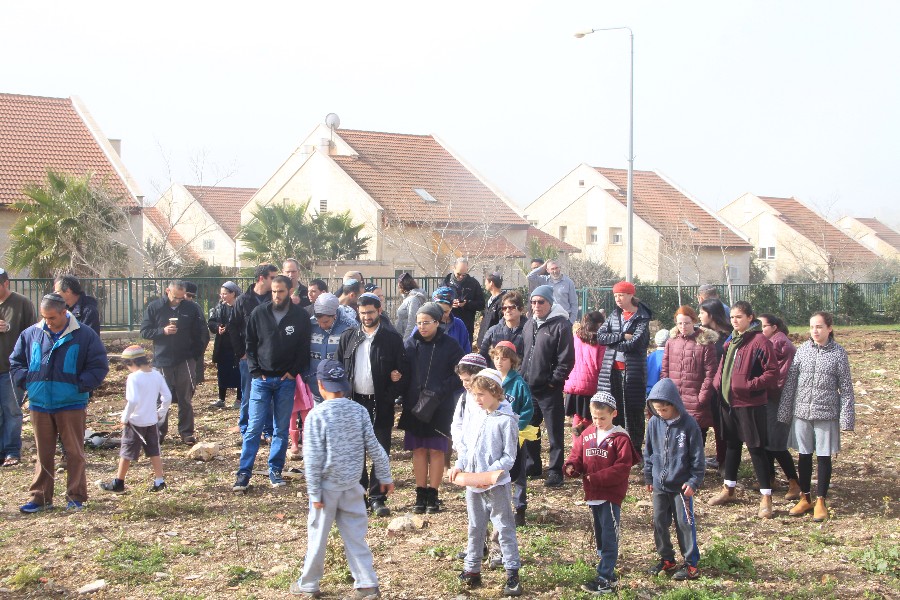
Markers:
point(58, 362)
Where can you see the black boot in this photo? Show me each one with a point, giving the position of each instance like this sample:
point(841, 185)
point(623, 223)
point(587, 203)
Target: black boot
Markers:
point(431, 501)
point(419, 506)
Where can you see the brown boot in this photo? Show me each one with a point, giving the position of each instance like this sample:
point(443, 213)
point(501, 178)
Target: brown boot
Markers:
point(820, 512)
point(724, 497)
point(793, 492)
point(765, 507)
point(802, 507)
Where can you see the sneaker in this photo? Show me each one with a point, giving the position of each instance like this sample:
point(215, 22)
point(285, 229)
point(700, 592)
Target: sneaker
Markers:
point(265, 439)
point(188, 439)
point(686, 572)
point(74, 505)
point(600, 587)
point(157, 487)
point(553, 480)
point(495, 561)
point(663, 566)
point(520, 517)
point(116, 486)
point(711, 463)
point(296, 591)
point(364, 594)
point(379, 509)
point(33, 507)
point(469, 579)
point(241, 483)
point(276, 479)
point(218, 404)
point(512, 587)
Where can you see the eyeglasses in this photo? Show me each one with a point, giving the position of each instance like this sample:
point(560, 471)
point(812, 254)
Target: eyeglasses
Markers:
point(425, 323)
point(539, 302)
point(190, 296)
point(508, 307)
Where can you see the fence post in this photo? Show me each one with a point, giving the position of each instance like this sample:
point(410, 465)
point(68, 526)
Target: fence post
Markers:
point(130, 307)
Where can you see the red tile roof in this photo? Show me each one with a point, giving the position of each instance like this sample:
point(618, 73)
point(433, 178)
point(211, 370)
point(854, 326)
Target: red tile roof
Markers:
point(817, 230)
point(391, 165)
point(476, 244)
point(890, 236)
point(38, 133)
point(669, 211)
point(223, 204)
point(545, 239)
point(175, 239)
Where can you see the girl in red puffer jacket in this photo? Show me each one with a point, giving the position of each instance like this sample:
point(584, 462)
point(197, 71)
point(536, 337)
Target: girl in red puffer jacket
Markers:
point(582, 382)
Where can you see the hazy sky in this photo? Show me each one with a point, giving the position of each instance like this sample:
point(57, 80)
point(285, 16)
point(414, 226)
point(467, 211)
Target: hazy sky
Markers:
point(777, 98)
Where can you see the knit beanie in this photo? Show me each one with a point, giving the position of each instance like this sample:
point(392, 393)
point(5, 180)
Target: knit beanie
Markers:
point(624, 287)
point(432, 309)
point(545, 292)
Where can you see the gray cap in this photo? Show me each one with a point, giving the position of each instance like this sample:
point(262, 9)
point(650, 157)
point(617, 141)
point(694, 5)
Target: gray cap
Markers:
point(432, 309)
point(545, 292)
point(661, 337)
point(326, 304)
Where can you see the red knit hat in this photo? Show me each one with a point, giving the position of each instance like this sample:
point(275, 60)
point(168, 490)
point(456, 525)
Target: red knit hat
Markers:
point(624, 287)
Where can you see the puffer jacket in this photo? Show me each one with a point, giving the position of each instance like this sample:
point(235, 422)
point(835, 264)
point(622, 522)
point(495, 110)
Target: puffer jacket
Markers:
point(819, 386)
point(582, 380)
point(612, 334)
point(755, 370)
point(784, 352)
point(691, 362)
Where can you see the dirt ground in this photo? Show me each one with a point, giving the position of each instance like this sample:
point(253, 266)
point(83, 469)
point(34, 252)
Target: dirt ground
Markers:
point(198, 539)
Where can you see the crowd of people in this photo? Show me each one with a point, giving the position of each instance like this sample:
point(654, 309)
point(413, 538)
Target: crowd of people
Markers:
point(320, 376)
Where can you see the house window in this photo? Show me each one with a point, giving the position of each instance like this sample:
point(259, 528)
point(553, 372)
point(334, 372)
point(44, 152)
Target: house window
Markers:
point(533, 223)
point(590, 235)
point(767, 253)
point(615, 236)
point(399, 272)
point(209, 244)
point(562, 233)
point(581, 183)
point(734, 273)
point(323, 206)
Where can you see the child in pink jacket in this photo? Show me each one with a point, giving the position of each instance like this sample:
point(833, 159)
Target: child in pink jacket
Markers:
point(582, 382)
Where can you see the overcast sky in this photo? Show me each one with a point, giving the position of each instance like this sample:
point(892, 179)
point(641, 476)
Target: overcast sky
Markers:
point(776, 98)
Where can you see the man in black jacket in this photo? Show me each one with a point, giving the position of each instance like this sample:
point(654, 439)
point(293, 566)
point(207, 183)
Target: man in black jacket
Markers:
point(549, 357)
point(375, 361)
point(190, 294)
point(278, 336)
point(492, 310)
point(174, 326)
point(469, 295)
point(83, 307)
point(256, 294)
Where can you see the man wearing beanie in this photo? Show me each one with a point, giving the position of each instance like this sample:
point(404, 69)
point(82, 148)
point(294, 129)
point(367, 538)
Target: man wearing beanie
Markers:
point(624, 370)
point(549, 357)
point(564, 294)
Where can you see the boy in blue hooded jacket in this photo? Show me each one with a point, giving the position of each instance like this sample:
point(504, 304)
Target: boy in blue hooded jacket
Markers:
point(674, 465)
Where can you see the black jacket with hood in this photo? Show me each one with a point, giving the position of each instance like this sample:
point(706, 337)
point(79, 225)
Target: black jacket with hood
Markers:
point(274, 349)
point(243, 308)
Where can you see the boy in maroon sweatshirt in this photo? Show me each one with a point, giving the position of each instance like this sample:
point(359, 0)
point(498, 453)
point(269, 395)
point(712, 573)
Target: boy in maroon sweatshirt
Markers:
point(603, 455)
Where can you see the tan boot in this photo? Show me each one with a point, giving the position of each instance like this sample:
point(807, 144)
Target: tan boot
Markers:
point(724, 497)
point(820, 512)
point(765, 507)
point(793, 492)
point(802, 507)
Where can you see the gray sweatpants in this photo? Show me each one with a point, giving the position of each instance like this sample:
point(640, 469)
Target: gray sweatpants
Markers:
point(667, 505)
point(348, 509)
point(494, 505)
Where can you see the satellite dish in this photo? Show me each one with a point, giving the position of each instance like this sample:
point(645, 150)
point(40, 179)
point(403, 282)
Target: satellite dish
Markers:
point(332, 121)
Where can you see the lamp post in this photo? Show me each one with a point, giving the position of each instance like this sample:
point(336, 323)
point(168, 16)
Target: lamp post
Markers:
point(629, 229)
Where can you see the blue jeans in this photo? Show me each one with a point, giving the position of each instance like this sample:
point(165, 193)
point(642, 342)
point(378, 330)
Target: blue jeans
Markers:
point(244, 413)
point(606, 532)
point(268, 396)
point(10, 418)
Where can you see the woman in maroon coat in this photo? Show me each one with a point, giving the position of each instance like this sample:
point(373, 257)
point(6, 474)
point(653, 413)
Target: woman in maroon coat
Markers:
point(749, 369)
point(690, 360)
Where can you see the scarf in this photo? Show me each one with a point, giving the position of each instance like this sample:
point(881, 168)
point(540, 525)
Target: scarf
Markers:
point(728, 365)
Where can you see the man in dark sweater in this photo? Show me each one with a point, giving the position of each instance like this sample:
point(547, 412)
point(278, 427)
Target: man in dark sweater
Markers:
point(174, 326)
point(469, 297)
point(278, 338)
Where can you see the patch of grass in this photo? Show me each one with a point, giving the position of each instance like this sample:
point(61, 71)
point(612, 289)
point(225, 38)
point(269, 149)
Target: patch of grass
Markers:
point(557, 574)
point(238, 575)
point(745, 471)
point(132, 562)
point(726, 556)
point(692, 593)
point(283, 580)
point(440, 551)
point(823, 538)
point(141, 508)
point(541, 545)
point(882, 559)
point(180, 596)
point(25, 576)
point(184, 550)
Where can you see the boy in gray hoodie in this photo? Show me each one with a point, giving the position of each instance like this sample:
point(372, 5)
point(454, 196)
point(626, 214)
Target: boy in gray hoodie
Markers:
point(674, 465)
point(490, 446)
point(337, 434)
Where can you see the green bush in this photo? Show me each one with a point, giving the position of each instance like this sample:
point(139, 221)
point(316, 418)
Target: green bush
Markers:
point(892, 304)
point(764, 299)
point(852, 304)
point(883, 559)
point(726, 556)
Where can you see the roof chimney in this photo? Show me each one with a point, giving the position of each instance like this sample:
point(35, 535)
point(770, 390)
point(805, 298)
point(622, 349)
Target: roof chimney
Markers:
point(325, 146)
point(117, 145)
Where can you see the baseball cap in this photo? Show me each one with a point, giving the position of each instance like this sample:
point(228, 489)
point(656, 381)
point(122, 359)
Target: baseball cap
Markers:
point(332, 376)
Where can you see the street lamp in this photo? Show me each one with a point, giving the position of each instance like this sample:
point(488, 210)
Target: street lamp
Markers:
point(629, 234)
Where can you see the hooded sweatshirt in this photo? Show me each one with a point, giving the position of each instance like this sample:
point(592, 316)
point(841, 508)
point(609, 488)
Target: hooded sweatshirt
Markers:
point(673, 452)
point(605, 459)
point(490, 446)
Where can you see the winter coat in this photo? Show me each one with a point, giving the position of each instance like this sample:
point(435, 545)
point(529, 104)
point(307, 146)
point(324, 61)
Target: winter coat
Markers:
point(564, 293)
point(784, 353)
point(470, 291)
point(87, 311)
point(673, 452)
point(455, 330)
point(58, 375)
point(500, 332)
point(190, 340)
point(582, 380)
point(243, 308)
point(491, 316)
point(220, 314)
point(549, 351)
point(322, 345)
point(819, 386)
point(612, 334)
point(387, 354)
point(654, 367)
point(432, 366)
point(690, 362)
point(406, 312)
point(519, 396)
point(491, 446)
point(604, 467)
point(755, 370)
point(274, 349)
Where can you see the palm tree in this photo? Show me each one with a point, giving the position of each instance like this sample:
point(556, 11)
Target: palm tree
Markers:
point(68, 224)
point(337, 238)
